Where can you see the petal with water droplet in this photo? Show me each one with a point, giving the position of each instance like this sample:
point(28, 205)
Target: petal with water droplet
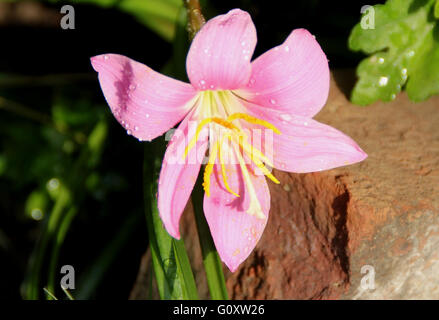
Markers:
point(133, 90)
point(231, 38)
point(297, 77)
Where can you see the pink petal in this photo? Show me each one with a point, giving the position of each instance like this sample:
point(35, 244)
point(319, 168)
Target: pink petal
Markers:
point(145, 102)
point(306, 145)
point(219, 57)
point(178, 176)
point(234, 231)
point(292, 77)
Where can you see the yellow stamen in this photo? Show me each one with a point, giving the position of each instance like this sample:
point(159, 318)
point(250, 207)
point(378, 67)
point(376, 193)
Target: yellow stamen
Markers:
point(253, 120)
point(223, 167)
point(209, 168)
point(254, 152)
point(217, 107)
point(206, 121)
point(254, 207)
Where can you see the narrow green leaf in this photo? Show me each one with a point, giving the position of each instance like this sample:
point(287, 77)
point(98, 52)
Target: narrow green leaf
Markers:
point(171, 265)
point(436, 9)
point(211, 260)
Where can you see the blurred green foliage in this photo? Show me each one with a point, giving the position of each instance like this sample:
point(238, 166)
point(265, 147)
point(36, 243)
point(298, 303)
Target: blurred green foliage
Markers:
point(158, 15)
point(403, 50)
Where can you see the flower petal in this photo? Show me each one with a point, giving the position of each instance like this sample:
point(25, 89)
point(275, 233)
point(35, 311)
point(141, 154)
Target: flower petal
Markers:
point(292, 77)
point(145, 102)
point(234, 231)
point(305, 145)
point(219, 57)
point(178, 176)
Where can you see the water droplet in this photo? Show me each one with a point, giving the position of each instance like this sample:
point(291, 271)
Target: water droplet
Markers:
point(383, 81)
point(147, 116)
point(287, 48)
point(243, 43)
point(106, 57)
point(381, 60)
point(285, 117)
point(129, 132)
point(53, 184)
point(212, 86)
point(393, 96)
point(252, 81)
point(132, 86)
point(410, 54)
point(136, 128)
point(272, 101)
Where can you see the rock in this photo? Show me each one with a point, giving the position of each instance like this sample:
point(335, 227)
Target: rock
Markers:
point(379, 217)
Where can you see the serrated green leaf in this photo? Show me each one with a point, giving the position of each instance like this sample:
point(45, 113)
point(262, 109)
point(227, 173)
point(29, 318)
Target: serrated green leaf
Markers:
point(403, 48)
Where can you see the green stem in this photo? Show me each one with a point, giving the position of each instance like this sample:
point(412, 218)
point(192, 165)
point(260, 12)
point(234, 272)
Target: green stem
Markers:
point(59, 240)
point(36, 262)
point(172, 269)
point(195, 18)
point(211, 260)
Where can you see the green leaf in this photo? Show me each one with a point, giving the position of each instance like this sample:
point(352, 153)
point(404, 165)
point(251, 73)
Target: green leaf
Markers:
point(171, 265)
point(403, 50)
point(436, 9)
point(211, 260)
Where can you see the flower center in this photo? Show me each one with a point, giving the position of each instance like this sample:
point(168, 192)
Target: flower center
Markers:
point(222, 111)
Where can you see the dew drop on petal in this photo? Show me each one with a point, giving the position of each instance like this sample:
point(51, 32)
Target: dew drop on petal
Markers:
point(272, 101)
point(147, 116)
point(285, 117)
point(106, 57)
point(381, 60)
point(287, 48)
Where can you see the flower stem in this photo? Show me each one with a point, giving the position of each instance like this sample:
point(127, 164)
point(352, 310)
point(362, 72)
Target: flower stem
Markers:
point(211, 260)
point(195, 18)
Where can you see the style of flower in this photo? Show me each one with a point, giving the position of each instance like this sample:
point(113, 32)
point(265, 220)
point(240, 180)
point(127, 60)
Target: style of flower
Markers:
point(229, 98)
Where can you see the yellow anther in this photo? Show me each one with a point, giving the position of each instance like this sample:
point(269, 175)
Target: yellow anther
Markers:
point(209, 168)
point(265, 171)
point(254, 206)
point(223, 167)
point(254, 152)
point(253, 120)
point(206, 121)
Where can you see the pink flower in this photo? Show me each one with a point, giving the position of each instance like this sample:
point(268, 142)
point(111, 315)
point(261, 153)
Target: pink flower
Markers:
point(230, 98)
